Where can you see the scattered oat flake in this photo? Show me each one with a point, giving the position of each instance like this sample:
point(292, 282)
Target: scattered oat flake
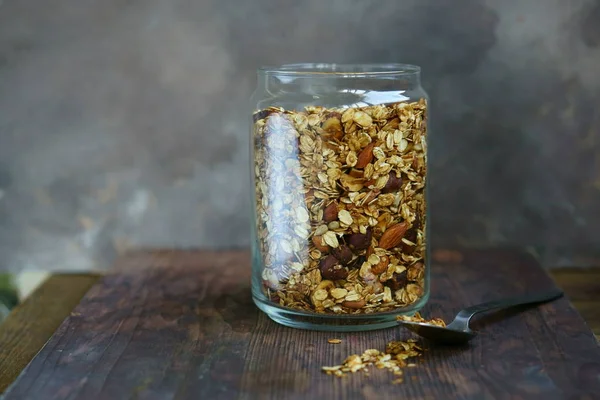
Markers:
point(393, 359)
point(302, 214)
point(345, 217)
point(331, 239)
point(334, 341)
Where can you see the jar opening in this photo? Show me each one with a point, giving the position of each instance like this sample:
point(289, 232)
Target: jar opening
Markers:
point(353, 70)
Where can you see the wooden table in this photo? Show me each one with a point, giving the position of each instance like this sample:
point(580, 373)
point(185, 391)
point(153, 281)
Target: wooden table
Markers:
point(181, 324)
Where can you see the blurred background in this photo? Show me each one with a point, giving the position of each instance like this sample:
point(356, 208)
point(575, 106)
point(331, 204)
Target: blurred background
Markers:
point(124, 123)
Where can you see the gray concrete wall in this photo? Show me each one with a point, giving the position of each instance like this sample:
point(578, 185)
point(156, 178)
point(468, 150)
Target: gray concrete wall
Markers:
point(123, 122)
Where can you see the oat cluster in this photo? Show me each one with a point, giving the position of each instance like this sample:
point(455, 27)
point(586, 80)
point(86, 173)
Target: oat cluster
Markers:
point(340, 206)
point(418, 318)
point(394, 359)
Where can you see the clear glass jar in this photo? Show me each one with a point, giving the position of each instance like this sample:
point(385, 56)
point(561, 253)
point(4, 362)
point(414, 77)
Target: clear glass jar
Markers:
point(339, 155)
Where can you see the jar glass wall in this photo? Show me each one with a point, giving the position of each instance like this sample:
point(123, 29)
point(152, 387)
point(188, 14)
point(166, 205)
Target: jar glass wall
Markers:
point(339, 161)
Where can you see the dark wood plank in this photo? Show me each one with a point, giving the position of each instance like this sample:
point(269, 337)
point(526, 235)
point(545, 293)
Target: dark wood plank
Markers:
point(582, 285)
point(30, 324)
point(579, 283)
point(181, 325)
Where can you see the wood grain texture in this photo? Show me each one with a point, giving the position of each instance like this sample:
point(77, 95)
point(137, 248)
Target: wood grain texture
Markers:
point(30, 324)
point(582, 285)
point(182, 325)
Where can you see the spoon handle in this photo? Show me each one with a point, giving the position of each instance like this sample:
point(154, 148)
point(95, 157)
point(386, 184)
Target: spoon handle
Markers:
point(465, 315)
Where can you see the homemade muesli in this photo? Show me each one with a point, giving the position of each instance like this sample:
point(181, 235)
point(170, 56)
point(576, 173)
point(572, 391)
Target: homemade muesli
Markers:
point(341, 209)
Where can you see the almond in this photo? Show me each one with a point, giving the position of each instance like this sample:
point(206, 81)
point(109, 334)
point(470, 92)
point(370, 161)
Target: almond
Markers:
point(331, 212)
point(393, 235)
point(355, 304)
point(365, 156)
point(320, 244)
point(381, 266)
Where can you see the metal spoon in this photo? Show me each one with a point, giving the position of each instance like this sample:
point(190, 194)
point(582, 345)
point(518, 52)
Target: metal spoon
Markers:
point(458, 332)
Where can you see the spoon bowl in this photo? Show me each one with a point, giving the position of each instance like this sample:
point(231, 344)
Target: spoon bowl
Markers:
point(439, 334)
point(458, 331)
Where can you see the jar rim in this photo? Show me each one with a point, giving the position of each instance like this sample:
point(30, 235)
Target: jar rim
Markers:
point(341, 70)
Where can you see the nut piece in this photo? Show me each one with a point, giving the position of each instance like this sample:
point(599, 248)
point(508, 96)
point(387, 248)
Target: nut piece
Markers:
point(331, 212)
point(359, 241)
point(392, 237)
point(393, 183)
point(381, 266)
point(365, 156)
point(343, 254)
point(320, 244)
point(331, 269)
point(355, 304)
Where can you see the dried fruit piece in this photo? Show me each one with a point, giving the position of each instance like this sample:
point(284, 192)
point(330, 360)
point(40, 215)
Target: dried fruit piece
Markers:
point(332, 125)
point(393, 235)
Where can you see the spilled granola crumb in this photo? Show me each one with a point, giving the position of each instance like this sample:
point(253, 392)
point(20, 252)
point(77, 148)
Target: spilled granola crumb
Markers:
point(334, 341)
point(418, 318)
point(393, 359)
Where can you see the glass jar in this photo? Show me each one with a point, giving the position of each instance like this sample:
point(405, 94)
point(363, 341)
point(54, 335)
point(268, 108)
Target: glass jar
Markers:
point(339, 155)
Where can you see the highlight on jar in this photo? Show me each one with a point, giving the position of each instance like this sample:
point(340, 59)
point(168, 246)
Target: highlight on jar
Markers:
point(341, 207)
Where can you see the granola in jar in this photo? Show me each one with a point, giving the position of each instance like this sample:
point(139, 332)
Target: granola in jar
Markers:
point(341, 206)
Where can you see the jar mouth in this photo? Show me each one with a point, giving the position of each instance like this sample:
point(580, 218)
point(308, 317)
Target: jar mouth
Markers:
point(346, 70)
